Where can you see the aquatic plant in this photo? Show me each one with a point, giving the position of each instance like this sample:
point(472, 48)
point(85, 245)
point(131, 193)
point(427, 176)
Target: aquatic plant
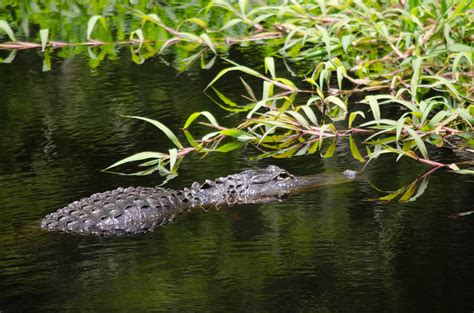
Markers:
point(415, 57)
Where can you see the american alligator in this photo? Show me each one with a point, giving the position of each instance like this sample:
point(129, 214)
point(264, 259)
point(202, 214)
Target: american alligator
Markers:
point(135, 210)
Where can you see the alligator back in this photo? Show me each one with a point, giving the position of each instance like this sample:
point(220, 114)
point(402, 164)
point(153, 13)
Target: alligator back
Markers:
point(120, 211)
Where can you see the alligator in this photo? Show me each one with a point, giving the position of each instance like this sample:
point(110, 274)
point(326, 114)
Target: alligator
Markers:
point(135, 210)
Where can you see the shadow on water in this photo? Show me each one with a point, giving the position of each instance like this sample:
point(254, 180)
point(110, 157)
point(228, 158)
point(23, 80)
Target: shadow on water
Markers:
point(332, 249)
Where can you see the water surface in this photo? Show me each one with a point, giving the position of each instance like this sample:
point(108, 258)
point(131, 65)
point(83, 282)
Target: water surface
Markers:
point(335, 249)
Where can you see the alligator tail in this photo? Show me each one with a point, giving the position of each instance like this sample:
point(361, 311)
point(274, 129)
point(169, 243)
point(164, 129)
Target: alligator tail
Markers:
point(116, 212)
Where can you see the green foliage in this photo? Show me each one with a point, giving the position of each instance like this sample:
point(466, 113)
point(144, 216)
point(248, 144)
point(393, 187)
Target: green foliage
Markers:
point(278, 127)
point(417, 56)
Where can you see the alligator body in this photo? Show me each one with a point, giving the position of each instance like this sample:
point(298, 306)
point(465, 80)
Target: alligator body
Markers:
point(141, 209)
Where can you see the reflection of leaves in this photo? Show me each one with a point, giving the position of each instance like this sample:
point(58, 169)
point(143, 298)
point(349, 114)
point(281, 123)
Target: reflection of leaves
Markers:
point(464, 213)
point(354, 150)
point(330, 151)
point(409, 192)
point(46, 61)
point(9, 58)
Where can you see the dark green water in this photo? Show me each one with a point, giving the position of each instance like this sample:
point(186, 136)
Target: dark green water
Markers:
point(330, 250)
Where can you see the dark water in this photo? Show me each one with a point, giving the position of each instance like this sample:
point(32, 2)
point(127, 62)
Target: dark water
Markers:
point(335, 249)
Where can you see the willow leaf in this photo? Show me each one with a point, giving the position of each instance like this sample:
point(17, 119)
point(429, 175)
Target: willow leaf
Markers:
point(6, 28)
point(195, 115)
point(44, 38)
point(163, 128)
point(138, 157)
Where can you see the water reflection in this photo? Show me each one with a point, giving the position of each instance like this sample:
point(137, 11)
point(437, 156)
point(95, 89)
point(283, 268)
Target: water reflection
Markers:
point(333, 249)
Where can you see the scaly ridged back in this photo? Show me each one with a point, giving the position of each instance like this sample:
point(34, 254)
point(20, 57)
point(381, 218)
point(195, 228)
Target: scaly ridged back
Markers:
point(120, 211)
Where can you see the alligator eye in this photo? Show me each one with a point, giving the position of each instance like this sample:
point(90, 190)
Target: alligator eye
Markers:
point(284, 176)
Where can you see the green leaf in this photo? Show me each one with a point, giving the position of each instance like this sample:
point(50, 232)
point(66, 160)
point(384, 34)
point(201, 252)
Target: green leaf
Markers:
point(209, 64)
point(419, 142)
point(325, 38)
point(44, 33)
point(224, 99)
point(310, 114)
point(438, 118)
point(237, 133)
point(400, 126)
point(465, 115)
point(458, 58)
point(138, 157)
point(235, 68)
point(257, 106)
point(139, 34)
point(465, 172)
point(441, 81)
point(231, 23)
point(163, 128)
point(337, 101)
point(190, 138)
point(416, 63)
point(197, 21)
point(353, 115)
point(382, 121)
point(173, 153)
point(248, 89)
point(354, 150)
point(340, 76)
point(346, 41)
point(270, 66)
point(6, 28)
point(299, 118)
point(330, 151)
point(267, 90)
point(91, 24)
point(208, 42)
point(374, 106)
point(195, 115)
point(243, 5)
point(454, 167)
point(230, 146)
point(390, 98)
point(287, 84)
point(457, 47)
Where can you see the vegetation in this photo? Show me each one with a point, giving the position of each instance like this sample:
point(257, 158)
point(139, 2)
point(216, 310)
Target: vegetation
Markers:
point(409, 64)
